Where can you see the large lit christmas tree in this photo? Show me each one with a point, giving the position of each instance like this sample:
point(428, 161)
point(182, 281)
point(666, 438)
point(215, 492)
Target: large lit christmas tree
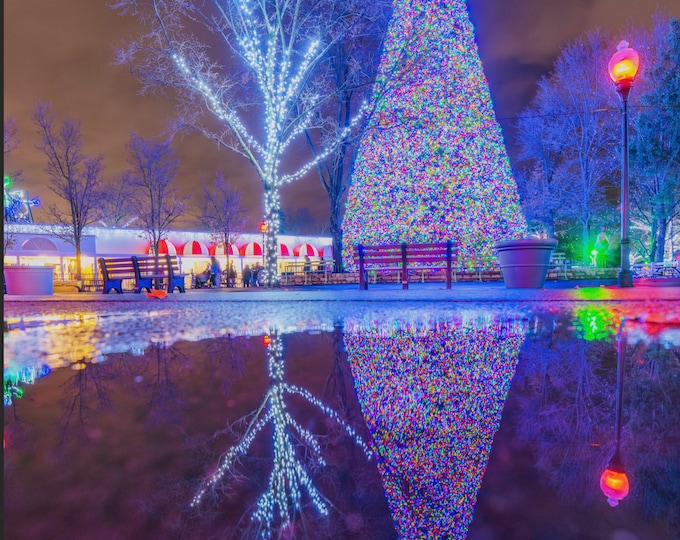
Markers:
point(432, 165)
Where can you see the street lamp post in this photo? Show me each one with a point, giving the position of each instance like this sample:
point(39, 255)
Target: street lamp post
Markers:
point(623, 68)
point(263, 230)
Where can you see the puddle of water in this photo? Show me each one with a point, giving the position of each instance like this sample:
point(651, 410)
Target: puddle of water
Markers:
point(482, 422)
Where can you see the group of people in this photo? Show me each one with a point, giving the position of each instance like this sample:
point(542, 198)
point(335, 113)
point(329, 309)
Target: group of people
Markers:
point(252, 277)
point(213, 276)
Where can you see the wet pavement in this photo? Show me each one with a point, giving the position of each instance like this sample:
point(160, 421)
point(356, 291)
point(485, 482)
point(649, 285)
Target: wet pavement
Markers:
point(328, 412)
point(430, 292)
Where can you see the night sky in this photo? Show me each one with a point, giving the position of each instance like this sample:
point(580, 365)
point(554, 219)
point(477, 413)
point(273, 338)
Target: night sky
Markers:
point(62, 52)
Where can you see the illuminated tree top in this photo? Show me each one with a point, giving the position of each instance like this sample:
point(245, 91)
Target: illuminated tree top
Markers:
point(433, 165)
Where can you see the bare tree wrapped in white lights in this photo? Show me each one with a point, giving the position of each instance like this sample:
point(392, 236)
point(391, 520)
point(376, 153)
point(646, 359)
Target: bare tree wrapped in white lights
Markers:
point(250, 65)
point(289, 477)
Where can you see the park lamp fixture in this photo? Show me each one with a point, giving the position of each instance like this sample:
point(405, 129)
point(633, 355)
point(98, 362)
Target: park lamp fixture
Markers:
point(623, 68)
point(263, 230)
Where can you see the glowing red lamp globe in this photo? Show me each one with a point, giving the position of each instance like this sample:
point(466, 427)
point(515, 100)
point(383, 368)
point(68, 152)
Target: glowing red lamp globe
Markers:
point(263, 227)
point(624, 65)
point(614, 484)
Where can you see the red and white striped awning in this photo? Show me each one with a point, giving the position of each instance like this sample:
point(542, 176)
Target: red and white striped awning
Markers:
point(305, 249)
point(251, 249)
point(218, 249)
point(164, 246)
point(284, 250)
point(194, 247)
point(326, 252)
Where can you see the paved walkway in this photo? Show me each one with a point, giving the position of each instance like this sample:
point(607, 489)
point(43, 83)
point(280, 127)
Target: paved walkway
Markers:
point(429, 292)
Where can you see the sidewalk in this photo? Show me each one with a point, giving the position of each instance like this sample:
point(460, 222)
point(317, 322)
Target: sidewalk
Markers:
point(583, 290)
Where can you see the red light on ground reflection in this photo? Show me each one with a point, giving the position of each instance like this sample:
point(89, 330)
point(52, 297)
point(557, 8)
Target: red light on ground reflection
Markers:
point(615, 485)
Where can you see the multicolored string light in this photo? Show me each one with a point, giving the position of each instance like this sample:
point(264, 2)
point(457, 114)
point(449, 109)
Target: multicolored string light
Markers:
point(17, 204)
point(432, 401)
point(432, 165)
point(13, 382)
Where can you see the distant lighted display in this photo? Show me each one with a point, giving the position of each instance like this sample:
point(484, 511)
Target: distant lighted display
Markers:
point(432, 165)
point(432, 400)
point(13, 383)
point(17, 204)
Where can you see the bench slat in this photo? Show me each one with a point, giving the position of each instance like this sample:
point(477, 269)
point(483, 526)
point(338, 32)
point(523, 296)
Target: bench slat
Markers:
point(405, 257)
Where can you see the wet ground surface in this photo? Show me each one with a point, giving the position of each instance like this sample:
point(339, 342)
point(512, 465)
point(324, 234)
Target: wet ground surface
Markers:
point(478, 412)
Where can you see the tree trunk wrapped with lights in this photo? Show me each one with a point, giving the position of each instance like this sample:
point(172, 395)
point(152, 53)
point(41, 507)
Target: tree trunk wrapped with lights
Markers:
point(262, 96)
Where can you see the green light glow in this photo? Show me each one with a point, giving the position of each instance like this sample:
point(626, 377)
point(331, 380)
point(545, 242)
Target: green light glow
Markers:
point(594, 323)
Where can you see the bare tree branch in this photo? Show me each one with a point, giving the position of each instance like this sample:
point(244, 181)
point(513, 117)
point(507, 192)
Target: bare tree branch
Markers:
point(154, 201)
point(74, 178)
point(243, 74)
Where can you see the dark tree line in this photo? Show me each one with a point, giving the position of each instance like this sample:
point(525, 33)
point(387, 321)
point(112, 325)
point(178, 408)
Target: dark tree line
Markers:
point(570, 140)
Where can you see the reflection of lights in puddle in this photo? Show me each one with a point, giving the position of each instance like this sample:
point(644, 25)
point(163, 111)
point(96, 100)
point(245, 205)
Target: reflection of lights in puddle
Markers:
point(21, 323)
point(289, 477)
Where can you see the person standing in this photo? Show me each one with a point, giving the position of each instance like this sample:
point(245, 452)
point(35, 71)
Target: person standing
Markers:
point(602, 248)
point(215, 272)
point(231, 275)
point(246, 276)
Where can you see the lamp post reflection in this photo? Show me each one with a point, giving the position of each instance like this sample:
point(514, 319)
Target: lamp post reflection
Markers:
point(614, 480)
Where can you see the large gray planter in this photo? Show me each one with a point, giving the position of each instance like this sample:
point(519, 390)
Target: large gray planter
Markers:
point(525, 261)
point(29, 279)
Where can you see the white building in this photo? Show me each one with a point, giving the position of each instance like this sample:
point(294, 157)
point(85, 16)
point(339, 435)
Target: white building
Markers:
point(34, 244)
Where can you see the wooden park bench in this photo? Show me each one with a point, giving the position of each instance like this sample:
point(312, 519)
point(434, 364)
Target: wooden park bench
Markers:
point(405, 257)
point(144, 270)
point(115, 271)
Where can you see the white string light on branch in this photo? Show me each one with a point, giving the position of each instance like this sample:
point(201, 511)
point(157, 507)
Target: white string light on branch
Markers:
point(289, 478)
point(281, 61)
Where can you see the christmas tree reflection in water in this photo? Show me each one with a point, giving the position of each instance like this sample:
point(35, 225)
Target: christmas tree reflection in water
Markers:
point(289, 477)
point(432, 397)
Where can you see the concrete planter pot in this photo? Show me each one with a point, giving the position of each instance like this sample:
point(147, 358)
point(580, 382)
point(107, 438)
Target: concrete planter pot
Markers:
point(29, 280)
point(525, 261)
